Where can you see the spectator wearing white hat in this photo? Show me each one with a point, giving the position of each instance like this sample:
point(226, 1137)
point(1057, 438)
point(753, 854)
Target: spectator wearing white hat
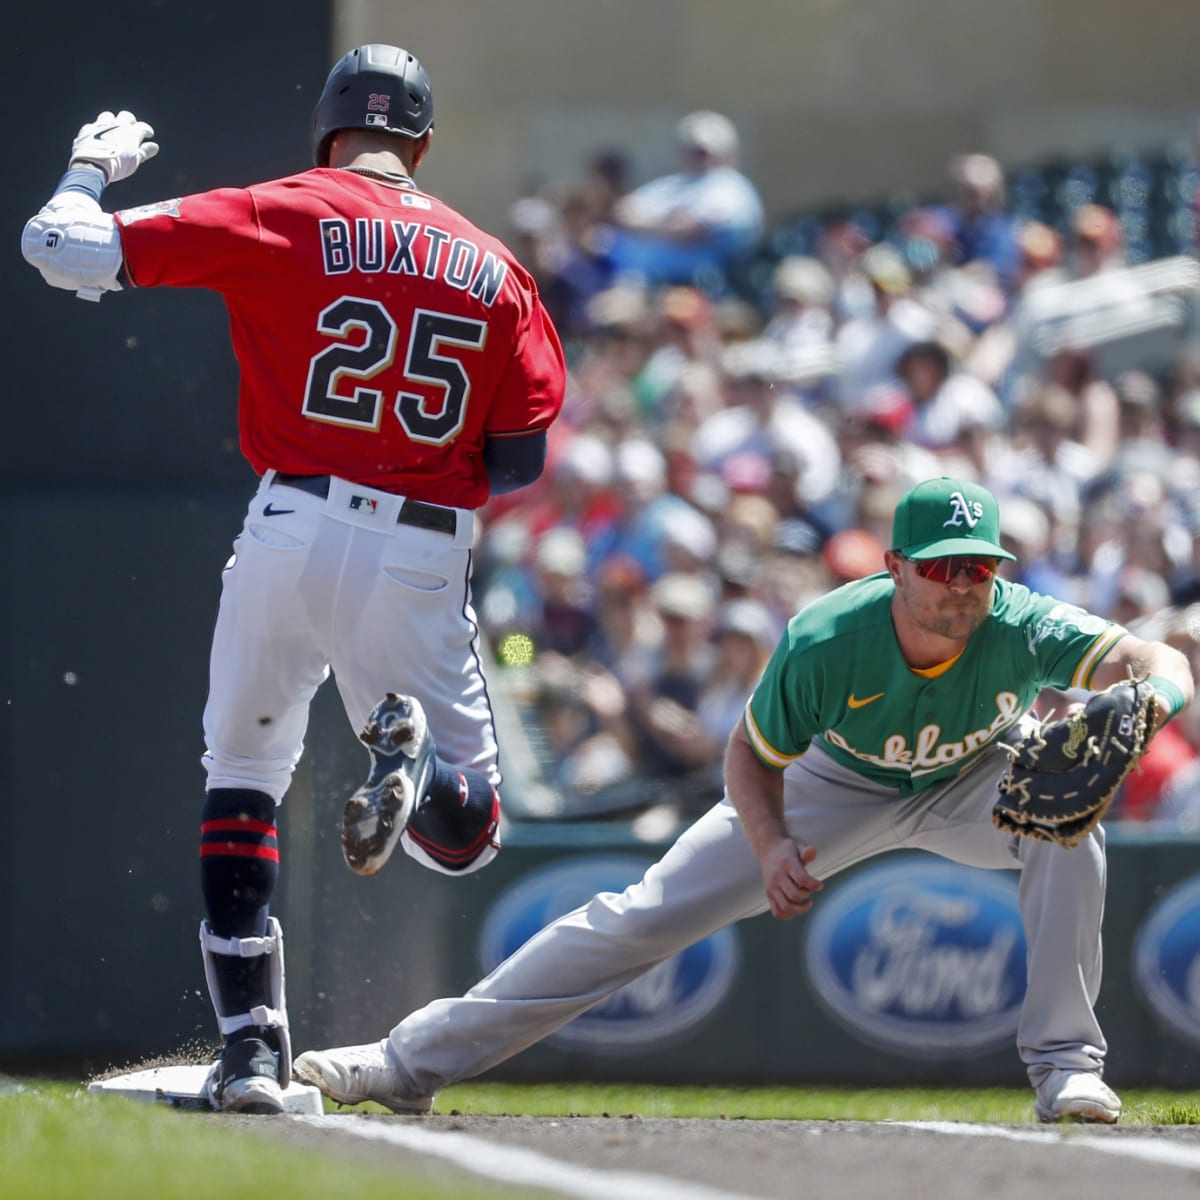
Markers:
point(802, 298)
point(982, 229)
point(869, 345)
point(647, 510)
point(699, 218)
point(564, 622)
point(662, 706)
point(575, 493)
point(744, 635)
point(1027, 530)
point(763, 416)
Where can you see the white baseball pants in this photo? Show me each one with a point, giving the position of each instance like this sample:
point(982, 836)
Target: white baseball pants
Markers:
point(336, 582)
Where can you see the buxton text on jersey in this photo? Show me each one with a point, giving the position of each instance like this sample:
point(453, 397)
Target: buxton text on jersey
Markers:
point(375, 246)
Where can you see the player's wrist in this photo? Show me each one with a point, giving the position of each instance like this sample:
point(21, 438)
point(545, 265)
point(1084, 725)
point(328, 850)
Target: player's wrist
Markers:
point(1168, 696)
point(83, 176)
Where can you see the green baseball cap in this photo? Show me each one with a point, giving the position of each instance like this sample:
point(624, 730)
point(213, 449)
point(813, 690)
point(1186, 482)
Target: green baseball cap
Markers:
point(947, 516)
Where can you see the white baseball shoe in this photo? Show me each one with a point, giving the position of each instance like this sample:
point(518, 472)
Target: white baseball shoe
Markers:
point(1077, 1096)
point(352, 1074)
point(402, 758)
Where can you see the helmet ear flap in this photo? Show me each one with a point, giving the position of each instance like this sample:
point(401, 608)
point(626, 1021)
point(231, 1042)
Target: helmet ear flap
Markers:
point(375, 87)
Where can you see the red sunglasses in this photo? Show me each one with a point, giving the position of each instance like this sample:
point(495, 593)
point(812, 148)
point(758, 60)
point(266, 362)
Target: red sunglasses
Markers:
point(943, 570)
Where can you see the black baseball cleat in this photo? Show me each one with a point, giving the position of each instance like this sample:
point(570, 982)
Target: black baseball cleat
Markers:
point(246, 1078)
point(402, 760)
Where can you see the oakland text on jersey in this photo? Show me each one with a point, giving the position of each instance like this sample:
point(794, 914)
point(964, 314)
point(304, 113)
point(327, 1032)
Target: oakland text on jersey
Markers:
point(930, 753)
point(373, 246)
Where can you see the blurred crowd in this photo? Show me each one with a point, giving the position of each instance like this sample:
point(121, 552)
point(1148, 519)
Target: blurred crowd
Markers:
point(726, 455)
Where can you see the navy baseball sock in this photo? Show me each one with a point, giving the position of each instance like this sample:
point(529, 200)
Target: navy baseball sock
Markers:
point(459, 817)
point(239, 864)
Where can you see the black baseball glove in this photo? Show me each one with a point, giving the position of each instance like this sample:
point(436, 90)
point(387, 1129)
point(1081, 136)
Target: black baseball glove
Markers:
point(1064, 774)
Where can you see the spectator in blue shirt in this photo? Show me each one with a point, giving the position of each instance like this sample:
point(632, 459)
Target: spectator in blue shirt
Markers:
point(703, 216)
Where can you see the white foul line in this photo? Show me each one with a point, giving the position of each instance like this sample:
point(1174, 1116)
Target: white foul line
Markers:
point(508, 1164)
point(1155, 1150)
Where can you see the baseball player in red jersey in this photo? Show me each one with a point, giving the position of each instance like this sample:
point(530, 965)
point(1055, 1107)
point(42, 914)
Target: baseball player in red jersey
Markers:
point(397, 368)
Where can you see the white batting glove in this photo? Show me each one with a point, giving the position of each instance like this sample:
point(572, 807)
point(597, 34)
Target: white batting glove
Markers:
point(118, 144)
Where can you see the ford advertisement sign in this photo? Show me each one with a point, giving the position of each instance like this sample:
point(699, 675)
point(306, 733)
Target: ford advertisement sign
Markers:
point(925, 960)
point(1166, 960)
point(666, 1001)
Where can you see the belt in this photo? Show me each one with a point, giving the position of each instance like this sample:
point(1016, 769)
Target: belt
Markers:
point(416, 513)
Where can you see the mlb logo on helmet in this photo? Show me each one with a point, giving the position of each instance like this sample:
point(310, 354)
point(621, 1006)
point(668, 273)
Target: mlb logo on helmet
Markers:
point(378, 104)
point(364, 504)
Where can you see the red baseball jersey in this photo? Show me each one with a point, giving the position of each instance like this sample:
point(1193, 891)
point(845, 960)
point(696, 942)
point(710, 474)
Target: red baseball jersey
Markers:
point(380, 335)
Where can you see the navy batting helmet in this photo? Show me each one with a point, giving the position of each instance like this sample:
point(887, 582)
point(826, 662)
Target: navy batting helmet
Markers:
point(373, 87)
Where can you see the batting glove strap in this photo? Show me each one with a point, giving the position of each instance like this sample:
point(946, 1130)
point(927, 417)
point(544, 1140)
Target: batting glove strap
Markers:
point(118, 144)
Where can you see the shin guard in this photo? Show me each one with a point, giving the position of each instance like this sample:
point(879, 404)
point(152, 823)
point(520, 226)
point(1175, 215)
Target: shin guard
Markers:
point(271, 1015)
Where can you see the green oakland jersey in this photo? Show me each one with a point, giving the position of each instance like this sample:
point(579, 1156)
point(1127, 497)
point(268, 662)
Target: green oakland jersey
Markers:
point(837, 675)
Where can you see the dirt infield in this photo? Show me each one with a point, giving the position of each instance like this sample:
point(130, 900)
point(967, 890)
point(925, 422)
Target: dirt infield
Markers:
point(765, 1160)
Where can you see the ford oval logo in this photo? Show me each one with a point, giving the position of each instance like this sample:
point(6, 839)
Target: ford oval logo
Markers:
point(1166, 960)
point(925, 960)
point(661, 1004)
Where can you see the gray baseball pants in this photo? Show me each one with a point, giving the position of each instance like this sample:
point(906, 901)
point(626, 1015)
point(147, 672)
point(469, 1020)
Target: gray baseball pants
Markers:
point(710, 878)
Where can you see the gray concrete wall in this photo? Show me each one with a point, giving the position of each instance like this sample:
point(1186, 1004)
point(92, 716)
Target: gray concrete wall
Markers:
point(837, 100)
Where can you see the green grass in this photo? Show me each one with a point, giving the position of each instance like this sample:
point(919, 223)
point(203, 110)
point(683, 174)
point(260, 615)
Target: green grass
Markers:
point(1002, 1106)
point(62, 1143)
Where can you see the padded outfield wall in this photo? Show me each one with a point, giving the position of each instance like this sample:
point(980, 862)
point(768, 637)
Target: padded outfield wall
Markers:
point(123, 489)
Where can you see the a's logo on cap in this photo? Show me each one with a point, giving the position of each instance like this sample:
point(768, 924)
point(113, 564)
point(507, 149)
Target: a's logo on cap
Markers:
point(963, 512)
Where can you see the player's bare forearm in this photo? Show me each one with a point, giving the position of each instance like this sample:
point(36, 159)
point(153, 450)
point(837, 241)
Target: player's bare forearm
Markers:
point(756, 791)
point(1145, 658)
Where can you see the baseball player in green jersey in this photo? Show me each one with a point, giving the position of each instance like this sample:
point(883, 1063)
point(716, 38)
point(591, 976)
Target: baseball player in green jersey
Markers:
point(876, 726)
